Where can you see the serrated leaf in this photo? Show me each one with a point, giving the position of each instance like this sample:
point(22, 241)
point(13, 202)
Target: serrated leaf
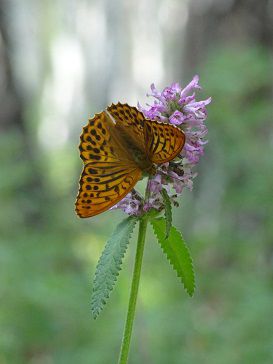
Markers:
point(152, 213)
point(177, 253)
point(110, 263)
point(168, 211)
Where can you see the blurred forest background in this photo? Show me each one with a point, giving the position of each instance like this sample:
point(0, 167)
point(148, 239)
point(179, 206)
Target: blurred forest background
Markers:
point(62, 61)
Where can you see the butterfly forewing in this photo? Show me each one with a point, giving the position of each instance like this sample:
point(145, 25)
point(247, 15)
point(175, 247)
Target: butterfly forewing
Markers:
point(131, 120)
point(163, 141)
point(99, 141)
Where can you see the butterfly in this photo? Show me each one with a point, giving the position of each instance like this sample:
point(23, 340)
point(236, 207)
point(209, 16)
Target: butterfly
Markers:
point(118, 147)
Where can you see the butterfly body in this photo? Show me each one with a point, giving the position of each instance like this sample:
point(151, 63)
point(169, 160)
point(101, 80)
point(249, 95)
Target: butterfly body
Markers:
point(118, 147)
point(136, 152)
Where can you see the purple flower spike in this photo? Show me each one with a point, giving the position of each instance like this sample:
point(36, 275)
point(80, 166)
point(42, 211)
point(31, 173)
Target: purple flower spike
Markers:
point(177, 118)
point(193, 85)
point(131, 204)
point(179, 107)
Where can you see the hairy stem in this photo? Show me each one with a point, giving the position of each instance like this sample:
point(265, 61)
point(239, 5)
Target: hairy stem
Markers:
point(125, 346)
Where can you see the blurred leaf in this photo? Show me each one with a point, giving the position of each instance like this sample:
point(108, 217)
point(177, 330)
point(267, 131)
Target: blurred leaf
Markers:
point(168, 211)
point(110, 263)
point(177, 253)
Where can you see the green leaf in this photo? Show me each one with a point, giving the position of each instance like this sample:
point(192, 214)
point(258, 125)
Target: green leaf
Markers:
point(177, 253)
point(152, 214)
point(110, 263)
point(168, 211)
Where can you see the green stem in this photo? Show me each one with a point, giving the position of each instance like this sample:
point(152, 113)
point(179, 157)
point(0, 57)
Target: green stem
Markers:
point(125, 346)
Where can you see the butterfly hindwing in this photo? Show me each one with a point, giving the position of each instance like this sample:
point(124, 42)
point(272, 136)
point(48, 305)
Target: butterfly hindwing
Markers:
point(102, 185)
point(163, 141)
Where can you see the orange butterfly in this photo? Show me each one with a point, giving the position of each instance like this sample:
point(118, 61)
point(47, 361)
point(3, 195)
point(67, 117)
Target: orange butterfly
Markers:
point(119, 146)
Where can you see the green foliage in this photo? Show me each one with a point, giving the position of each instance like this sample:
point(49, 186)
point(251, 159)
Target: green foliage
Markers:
point(168, 211)
point(110, 263)
point(177, 253)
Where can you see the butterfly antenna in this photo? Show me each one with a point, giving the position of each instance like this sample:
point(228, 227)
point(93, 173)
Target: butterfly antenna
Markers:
point(109, 116)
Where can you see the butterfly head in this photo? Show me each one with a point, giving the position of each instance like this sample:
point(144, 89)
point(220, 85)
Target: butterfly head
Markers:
point(149, 171)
